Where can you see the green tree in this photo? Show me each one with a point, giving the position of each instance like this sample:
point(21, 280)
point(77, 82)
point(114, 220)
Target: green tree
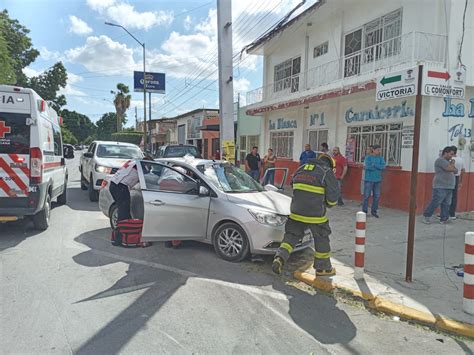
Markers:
point(68, 137)
point(80, 125)
point(48, 84)
point(7, 70)
point(122, 103)
point(107, 125)
point(19, 46)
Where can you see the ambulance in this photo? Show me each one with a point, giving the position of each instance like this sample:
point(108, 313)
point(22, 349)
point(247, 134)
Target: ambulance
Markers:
point(33, 171)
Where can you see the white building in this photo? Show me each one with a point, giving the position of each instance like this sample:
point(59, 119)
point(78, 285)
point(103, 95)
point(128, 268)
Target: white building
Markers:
point(319, 79)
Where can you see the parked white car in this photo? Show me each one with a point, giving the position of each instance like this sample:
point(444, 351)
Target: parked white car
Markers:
point(209, 201)
point(103, 159)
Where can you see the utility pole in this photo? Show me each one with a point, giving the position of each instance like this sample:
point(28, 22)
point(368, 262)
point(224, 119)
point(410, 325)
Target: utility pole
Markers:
point(136, 118)
point(226, 87)
point(149, 120)
point(414, 178)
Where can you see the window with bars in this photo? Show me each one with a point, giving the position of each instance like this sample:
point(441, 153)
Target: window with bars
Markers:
point(286, 75)
point(378, 39)
point(246, 144)
point(315, 138)
point(282, 143)
point(320, 50)
point(388, 136)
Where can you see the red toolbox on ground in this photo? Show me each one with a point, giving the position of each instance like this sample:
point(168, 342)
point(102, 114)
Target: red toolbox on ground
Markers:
point(129, 233)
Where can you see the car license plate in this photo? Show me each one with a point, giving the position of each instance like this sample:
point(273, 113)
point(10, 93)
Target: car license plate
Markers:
point(306, 239)
point(8, 218)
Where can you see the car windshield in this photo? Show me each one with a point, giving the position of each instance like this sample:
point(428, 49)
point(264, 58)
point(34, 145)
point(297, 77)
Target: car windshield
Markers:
point(181, 151)
point(229, 178)
point(119, 151)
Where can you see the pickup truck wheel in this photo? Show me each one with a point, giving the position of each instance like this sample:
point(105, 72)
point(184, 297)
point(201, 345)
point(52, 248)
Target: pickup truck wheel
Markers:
point(41, 219)
point(83, 183)
point(62, 199)
point(93, 195)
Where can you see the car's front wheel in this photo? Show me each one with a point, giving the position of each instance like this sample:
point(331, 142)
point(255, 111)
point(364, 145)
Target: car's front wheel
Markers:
point(231, 242)
point(93, 194)
point(113, 216)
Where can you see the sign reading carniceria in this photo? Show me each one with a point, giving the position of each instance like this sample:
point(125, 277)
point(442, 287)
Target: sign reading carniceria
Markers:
point(390, 112)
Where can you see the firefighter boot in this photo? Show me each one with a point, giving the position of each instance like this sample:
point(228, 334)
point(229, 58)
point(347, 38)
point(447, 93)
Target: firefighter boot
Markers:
point(277, 265)
point(323, 272)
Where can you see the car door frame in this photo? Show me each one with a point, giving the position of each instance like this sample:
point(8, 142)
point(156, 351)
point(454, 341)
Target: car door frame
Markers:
point(161, 195)
point(87, 163)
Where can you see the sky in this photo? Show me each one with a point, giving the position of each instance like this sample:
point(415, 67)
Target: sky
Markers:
point(180, 38)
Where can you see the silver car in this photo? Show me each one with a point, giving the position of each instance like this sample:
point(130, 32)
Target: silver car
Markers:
point(209, 201)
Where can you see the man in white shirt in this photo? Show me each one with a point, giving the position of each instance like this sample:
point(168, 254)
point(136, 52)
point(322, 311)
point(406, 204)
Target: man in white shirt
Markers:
point(459, 164)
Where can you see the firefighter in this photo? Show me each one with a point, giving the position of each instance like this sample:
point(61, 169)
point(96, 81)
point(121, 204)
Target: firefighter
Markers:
point(314, 189)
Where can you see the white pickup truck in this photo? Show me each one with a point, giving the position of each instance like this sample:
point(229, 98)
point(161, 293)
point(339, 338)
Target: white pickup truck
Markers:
point(103, 159)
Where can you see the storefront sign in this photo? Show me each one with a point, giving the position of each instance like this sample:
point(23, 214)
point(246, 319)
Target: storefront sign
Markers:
point(456, 110)
point(281, 123)
point(408, 132)
point(316, 119)
point(457, 131)
point(396, 111)
point(397, 85)
point(441, 83)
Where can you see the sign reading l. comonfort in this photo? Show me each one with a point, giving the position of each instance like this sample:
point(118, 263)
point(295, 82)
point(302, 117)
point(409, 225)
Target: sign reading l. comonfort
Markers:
point(155, 82)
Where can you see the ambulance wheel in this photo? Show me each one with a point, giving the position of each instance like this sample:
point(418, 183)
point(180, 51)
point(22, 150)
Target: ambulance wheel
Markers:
point(93, 195)
point(41, 219)
point(113, 216)
point(62, 199)
point(83, 183)
point(231, 242)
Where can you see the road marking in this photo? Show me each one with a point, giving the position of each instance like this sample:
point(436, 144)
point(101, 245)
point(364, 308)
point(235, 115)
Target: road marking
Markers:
point(244, 288)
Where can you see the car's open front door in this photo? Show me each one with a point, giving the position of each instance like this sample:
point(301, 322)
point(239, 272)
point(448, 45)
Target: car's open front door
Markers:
point(173, 208)
point(279, 177)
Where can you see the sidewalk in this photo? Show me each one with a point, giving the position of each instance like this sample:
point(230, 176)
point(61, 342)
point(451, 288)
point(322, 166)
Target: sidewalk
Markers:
point(436, 291)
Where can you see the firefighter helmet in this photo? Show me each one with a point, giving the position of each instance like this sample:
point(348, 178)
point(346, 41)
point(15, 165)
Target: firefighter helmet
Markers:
point(327, 158)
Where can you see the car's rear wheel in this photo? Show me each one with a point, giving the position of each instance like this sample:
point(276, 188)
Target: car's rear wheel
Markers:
point(83, 183)
point(93, 195)
point(231, 242)
point(41, 219)
point(113, 216)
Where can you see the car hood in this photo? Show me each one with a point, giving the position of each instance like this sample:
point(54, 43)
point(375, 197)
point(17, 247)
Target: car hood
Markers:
point(111, 162)
point(268, 200)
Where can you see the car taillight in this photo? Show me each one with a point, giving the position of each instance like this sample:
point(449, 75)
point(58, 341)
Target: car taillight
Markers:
point(36, 166)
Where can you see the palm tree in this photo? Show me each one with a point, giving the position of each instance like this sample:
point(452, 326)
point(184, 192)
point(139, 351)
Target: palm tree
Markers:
point(122, 103)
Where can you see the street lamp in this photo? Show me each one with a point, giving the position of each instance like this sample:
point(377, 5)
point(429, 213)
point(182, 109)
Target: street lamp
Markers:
point(144, 77)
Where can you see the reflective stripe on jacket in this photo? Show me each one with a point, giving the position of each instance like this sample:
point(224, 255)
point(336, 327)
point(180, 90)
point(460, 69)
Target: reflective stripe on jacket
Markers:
point(314, 188)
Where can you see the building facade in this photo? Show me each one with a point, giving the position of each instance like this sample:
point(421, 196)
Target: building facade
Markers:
point(319, 85)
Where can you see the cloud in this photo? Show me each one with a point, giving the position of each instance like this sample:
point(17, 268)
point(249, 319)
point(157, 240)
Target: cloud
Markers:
point(71, 80)
point(209, 25)
point(187, 23)
point(30, 72)
point(241, 85)
point(79, 26)
point(102, 54)
point(100, 5)
point(125, 14)
point(46, 54)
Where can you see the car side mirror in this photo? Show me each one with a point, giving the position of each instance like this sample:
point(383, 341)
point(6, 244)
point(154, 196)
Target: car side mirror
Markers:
point(88, 155)
point(203, 191)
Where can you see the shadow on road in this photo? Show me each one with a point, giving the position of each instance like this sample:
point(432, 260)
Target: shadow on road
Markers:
point(79, 200)
point(317, 315)
point(13, 233)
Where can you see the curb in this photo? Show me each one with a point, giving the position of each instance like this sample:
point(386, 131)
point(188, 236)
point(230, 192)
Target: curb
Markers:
point(389, 307)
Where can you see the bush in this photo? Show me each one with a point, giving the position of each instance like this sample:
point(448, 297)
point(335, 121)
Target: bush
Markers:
point(128, 137)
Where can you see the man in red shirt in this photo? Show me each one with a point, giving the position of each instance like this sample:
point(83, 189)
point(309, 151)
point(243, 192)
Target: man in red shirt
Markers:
point(341, 170)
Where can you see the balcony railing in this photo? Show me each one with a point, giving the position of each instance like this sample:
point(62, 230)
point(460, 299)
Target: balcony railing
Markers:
point(410, 48)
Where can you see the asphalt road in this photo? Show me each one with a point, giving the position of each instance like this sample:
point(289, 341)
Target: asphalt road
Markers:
point(68, 290)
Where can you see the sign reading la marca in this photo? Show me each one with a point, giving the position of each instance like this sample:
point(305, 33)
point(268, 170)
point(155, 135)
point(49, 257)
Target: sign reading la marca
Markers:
point(396, 85)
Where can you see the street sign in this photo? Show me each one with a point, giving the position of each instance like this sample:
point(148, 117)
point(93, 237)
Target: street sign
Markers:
point(155, 82)
point(397, 85)
point(443, 83)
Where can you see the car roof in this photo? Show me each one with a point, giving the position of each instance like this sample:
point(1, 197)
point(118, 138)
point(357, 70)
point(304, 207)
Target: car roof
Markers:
point(116, 143)
point(193, 161)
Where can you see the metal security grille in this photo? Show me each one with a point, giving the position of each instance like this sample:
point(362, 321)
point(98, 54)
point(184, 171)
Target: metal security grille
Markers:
point(388, 136)
point(282, 143)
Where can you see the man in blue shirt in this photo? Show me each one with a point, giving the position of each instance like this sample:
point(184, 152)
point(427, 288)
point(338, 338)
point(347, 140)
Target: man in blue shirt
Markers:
point(374, 165)
point(307, 154)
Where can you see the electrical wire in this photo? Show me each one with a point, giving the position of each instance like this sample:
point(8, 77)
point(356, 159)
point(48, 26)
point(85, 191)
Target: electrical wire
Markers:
point(462, 36)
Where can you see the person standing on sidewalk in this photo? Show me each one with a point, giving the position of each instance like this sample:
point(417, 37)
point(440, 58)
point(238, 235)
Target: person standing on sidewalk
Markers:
point(314, 189)
point(307, 154)
point(324, 147)
point(253, 164)
point(374, 164)
point(269, 161)
point(444, 182)
point(459, 164)
point(341, 170)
